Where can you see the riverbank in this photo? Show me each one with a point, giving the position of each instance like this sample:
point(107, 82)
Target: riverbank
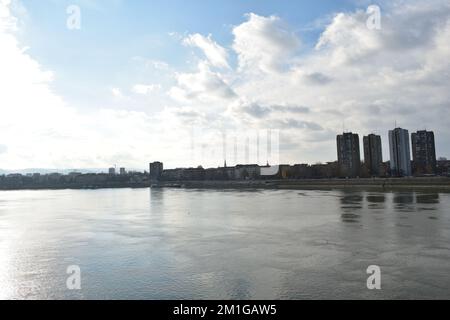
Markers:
point(76, 186)
point(441, 183)
point(428, 183)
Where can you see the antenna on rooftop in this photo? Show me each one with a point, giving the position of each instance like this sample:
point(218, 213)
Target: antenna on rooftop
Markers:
point(224, 148)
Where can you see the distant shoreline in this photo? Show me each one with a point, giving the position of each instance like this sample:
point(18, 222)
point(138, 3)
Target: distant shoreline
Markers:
point(441, 183)
point(72, 187)
point(428, 183)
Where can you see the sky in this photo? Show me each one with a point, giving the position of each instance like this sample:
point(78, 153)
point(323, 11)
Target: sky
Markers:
point(195, 83)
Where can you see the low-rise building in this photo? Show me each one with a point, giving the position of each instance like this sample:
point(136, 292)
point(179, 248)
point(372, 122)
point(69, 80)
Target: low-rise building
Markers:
point(301, 171)
point(193, 174)
point(169, 175)
point(443, 167)
point(247, 172)
point(325, 171)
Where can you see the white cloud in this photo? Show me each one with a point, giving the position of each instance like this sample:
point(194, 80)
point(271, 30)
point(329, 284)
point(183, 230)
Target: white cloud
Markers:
point(215, 54)
point(116, 92)
point(349, 38)
point(202, 86)
point(152, 63)
point(264, 43)
point(360, 78)
point(145, 88)
point(364, 79)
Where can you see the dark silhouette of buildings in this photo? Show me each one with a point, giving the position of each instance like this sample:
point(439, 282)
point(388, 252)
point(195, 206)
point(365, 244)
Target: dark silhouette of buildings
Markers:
point(349, 157)
point(156, 170)
point(373, 154)
point(424, 152)
point(73, 180)
point(400, 152)
point(443, 167)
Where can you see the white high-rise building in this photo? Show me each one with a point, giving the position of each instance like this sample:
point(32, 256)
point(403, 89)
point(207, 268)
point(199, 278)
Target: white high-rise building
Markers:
point(400, 152)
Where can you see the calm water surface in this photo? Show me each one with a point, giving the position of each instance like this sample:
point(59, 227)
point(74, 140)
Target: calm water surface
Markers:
point(192, 244)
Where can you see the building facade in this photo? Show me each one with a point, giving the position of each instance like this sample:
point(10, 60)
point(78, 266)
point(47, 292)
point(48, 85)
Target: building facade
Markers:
point(349, 157)
point(400, 153)
point(247, 172)
point(373, 154)
point(443, 167)
point(424, 152)
point(156, 170)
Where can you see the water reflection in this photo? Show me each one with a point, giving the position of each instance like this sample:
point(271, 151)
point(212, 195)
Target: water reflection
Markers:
point(351, 205)
point(156, 195)
point(404, 201)
point(427, 202)
point(376, 201)
point(354, 204)
point(156, 202)
point(376, 198)
point(427, 198)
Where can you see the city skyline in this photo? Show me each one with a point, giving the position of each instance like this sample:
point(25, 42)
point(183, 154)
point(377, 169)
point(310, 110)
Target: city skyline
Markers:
point(351, 153)
point(120, 91)
point(407, 155)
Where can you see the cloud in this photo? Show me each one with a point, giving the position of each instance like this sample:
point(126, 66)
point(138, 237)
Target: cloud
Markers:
point(3, 148)
point(348, 39)
point(116, 92)
point(204, 85)
point(257, 110)
point(145, 88)
point(406, 28)
point(295, 124)
point(360, 78)
point(352, 77)
point(291, 108)
point(151, 63)
point(317, 78)
point(185, 115)
point(216, 55)
point(264, 43)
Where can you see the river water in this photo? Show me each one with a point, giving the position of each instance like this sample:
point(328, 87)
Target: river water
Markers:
point(206, 244)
